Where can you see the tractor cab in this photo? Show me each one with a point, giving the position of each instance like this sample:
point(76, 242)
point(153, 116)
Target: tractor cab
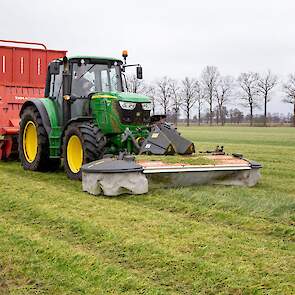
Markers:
point(94, 74)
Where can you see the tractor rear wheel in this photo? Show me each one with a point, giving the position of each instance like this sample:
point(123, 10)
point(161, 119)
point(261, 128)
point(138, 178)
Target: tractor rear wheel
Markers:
point(33, 141)
point(82, 143)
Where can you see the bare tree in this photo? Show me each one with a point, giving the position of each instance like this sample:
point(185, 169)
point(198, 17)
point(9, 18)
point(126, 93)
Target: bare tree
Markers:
point(289, 90)
point(189, 96)
point(249, 85)
point(176, 99)
point(223, 93)
point(150, 91)
point(266, 84)
point(134, 85)
point(200, 97)
point(216, 114)
point(164, 93)
point(209, 80)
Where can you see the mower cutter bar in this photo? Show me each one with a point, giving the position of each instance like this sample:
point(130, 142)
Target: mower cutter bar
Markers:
point(173, 169)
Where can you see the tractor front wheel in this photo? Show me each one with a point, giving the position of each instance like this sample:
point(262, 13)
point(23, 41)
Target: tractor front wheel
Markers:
point(82, 143)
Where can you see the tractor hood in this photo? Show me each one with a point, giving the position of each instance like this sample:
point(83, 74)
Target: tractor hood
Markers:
point(123, 96)
point(132, 97)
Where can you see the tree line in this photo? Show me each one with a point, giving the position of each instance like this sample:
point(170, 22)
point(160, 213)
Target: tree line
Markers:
point(208, 97)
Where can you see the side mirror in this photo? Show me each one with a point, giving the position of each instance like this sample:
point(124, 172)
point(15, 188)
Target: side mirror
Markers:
point(139, 72)
point(54, 68)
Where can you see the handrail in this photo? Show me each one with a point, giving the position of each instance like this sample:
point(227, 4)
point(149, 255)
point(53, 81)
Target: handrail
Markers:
point(23, 42)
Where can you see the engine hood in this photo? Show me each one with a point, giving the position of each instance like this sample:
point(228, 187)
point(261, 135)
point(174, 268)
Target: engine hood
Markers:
point(123, 96)
point(132, 97)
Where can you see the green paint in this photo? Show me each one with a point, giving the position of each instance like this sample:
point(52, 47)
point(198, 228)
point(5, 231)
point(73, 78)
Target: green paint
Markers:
point(104, 110)
point(132, 97)
point(122, 96)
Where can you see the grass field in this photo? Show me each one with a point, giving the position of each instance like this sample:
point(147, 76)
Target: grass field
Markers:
point(199, 240)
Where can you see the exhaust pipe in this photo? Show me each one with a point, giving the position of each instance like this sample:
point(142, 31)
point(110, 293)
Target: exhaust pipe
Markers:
point(67, 79)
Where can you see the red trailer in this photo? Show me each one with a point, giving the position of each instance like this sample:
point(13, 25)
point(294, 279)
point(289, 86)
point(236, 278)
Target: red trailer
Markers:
point(23, 68)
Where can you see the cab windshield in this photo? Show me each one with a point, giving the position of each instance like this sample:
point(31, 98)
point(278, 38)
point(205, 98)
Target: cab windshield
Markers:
point(89, 78)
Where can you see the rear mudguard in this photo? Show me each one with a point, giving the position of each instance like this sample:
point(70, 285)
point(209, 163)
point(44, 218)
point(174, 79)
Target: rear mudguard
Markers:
point(39, 105)
point(47, 110)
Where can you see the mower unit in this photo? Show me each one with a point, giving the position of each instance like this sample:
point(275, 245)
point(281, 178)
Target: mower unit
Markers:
point(113, 176)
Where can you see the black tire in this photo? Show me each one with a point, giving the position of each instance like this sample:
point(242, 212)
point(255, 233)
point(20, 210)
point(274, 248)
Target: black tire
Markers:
point(42, 161)
point(93, 145)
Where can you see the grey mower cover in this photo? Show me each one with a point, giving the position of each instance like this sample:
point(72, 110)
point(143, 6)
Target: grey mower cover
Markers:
point(164, 139)
point(157, 143)
point(181, 145)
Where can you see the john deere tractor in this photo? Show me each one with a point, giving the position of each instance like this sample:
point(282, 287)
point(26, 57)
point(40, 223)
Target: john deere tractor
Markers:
point(85, 114)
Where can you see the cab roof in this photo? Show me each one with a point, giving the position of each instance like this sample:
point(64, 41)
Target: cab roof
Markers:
point(95, 58)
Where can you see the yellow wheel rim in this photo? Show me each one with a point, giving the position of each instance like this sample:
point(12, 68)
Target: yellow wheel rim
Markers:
point(75, 153)
point(30, 141)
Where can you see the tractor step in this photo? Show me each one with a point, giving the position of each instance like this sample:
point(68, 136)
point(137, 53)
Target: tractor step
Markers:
point(55, 142)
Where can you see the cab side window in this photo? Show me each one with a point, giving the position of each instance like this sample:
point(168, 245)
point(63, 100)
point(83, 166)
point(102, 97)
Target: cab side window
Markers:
point(56, 84)
point(104, 81)
point(56, 91)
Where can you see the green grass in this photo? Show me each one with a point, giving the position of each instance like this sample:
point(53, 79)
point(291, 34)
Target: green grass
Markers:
point(198, 240)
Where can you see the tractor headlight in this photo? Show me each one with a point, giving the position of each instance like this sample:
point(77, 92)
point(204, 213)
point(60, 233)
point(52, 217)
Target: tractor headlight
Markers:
point(147, 106)
point(127, 105)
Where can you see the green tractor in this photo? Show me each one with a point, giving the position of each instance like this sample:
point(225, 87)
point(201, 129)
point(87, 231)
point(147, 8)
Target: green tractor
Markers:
point(85, 114)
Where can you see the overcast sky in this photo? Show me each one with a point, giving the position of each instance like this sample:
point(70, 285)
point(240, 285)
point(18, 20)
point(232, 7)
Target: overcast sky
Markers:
point(174, 38)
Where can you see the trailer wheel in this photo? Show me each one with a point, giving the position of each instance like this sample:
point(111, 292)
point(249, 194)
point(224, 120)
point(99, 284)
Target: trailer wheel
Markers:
point(33, 141)
point(82, 143)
